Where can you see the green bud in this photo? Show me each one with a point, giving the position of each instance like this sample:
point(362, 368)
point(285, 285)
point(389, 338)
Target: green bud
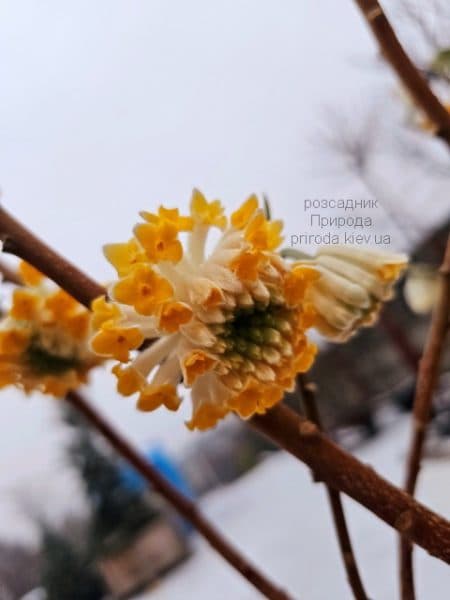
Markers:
point(256, 335)
point(254, 351)
point(272, 336)
point(271, 355)
point(240, 345)
point(282, 325)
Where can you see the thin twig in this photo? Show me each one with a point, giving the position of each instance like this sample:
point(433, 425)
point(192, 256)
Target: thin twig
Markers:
point(408, 73)
point(183, 505)
point(308, 393)
point(426, 383)
point(335, 466)
point(400, 341)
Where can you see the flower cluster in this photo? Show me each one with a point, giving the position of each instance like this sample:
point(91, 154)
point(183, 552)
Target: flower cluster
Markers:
point(231, 324)
point(44, 338)
point(352, 286)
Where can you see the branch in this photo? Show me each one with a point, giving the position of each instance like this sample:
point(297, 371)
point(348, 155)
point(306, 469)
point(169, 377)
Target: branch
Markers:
point(308, 392)
point(19, 241)
point(426, 383)
point(408, 73)
point(178, 501)
point(343, 472)
point(303, 440)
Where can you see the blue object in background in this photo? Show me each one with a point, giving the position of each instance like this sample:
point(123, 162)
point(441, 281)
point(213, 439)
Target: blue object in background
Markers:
point(167, 467)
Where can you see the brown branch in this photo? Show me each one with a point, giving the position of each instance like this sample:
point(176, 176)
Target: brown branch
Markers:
point(426, 383)
point(21, 242)
point(178, 501)
point(308, 393)
point(343, 472)
point(408, 73)
point(339, 469)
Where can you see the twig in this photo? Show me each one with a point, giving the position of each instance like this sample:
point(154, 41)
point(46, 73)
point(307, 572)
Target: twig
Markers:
point(335, 466)
point(400, 341)
point(426, 383)
point(308, 392)
point(180, 502)
point(410, 76)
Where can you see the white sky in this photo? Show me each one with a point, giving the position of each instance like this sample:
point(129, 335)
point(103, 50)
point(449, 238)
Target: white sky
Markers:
point(111, 107)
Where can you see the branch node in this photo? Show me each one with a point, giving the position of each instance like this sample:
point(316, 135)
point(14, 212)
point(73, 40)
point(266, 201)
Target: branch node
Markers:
point(405, 522)
point(311, 387)
point(374, 13)
point(308, 430)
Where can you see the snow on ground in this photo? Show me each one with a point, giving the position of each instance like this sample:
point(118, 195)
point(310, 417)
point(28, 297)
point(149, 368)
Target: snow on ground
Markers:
point(281, 520)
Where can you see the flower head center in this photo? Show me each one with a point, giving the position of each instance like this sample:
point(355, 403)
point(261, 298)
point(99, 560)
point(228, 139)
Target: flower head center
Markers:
point(45, 363)
point(261, 334)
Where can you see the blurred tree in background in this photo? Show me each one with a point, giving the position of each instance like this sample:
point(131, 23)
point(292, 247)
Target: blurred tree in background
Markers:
point(118, 512)
point(66, 571)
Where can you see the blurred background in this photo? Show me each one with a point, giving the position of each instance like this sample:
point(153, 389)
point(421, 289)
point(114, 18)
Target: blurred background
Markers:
point(112, 107)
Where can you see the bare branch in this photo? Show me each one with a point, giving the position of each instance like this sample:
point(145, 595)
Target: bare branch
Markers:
point(410, 76)
point(308, 393)
point(183, 505)
point(342, 471)
point(426, 383)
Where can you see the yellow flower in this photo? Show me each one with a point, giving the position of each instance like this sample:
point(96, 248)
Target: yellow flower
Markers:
point(143, 289)
point(246, 265)
point(160, 241)
point(123, 257)
point(263, 234)
point(197, 363)
point(230, 324)
point(173, 315)
point(25, 304)
point(129, 380)
point(206, 416)
point(116, 342)
point(207, 213)
point(169, 214)
point(13, 342)
point(241, 217)
point(297, 282)
point(226, 324)
point(44, 338)
point(29, 275)
point(103, 311)
point(154, 396)
point(61, 306)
